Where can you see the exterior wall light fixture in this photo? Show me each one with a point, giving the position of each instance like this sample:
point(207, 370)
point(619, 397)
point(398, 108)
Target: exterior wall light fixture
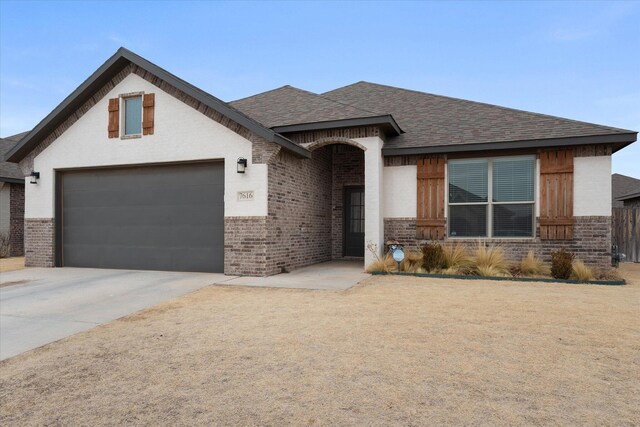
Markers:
point(242, 164)
point(35, 176)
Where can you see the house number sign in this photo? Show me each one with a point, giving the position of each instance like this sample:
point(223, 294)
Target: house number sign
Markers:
point(245, 196)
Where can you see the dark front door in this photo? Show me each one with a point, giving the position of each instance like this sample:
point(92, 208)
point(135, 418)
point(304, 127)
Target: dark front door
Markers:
point(354, 221)
point(168, 217)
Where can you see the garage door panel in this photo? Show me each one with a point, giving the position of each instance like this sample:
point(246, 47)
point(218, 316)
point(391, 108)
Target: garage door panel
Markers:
point(159, 218)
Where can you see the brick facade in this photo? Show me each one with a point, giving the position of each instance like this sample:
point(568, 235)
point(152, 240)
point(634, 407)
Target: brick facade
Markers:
point(299, 222)
point(591, 243)
point(245, 246)
point(39, 242)
point(16, 219)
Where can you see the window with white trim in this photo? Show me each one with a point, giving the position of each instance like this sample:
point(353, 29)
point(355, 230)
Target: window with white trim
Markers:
point(492, 197)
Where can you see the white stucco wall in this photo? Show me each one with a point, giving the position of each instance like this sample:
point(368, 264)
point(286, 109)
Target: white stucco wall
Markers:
point(5, 206)
point(180, 134)
point(373, 195)
point(400, 190)
point(592, 186)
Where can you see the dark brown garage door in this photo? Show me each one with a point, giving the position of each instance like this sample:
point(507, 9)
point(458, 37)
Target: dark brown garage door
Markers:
point(167, 217)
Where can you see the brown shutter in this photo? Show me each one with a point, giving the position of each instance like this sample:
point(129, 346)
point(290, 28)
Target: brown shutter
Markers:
point(430, 217)
point(114, 117)
point(556, 194)
point(147, 113)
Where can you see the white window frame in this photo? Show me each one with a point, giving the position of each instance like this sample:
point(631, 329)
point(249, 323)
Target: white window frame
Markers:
point(489, 203)
point(123, 114)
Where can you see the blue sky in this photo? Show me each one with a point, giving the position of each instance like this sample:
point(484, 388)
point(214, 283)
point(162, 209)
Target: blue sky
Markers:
point(578, 60)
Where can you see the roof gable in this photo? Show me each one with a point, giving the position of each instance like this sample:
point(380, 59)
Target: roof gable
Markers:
point(102, 76)
point(439, 121)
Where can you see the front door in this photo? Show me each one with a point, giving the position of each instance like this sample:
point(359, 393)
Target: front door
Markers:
point(354, 221)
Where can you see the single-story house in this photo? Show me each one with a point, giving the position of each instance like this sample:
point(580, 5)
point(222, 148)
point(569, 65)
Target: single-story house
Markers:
point(630, 200)
point(11, 198)
point(140, 169)
point(625, 190)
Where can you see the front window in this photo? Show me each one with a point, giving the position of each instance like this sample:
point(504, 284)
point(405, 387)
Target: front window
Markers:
point(133, 115)
point(491, 197)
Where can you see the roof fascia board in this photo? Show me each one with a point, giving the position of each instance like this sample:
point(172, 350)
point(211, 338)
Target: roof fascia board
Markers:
point(111, 67)
point(621, 139)
point(386, 119)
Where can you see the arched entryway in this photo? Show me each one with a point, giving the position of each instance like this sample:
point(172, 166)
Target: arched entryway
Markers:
point(346, 167)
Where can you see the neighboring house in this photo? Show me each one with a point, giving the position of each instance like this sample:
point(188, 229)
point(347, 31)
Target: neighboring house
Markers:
point(623, 189)
point(140, 169)
point(630, 200)
point(11, 198)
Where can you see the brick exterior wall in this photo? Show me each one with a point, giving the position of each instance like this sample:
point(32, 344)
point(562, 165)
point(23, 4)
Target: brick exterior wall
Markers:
point(591, 243)
point(304, 225)
point(299, 221)
point(16, 219)
point(39, 242)
point(347, 170)
point(245, 246)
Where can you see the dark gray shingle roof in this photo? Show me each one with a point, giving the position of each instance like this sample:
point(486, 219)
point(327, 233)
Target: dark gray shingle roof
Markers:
point(8, 170)
point(434, 120)
point(289, 105)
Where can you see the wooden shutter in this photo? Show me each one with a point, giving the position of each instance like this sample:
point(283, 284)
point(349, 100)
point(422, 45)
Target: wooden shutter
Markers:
point(556, 194)
point(148, 104)
point(114, 117)
point(430, 217)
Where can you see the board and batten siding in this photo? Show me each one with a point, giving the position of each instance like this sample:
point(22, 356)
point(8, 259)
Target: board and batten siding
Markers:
point(180, 134)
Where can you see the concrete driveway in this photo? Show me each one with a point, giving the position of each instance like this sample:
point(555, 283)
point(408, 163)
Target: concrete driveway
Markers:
point(42, 305)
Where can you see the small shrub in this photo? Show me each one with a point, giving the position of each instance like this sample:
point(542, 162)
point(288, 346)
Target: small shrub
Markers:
point(412, 262)
point(384, 265)
point(561, 264)
point(432, 257)
point(456, 256)
point(532, 265)
point(490, 261)
point(581, 272)
point(5, 245)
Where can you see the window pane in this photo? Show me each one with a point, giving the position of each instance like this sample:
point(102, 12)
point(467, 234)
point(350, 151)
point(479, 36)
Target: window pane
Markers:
point(513, 220)
point(467, 181)
point(133, 115)
point(513, 179)
point(468, 221)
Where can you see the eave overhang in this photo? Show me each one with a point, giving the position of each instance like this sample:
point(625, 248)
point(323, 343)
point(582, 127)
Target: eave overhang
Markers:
point(619, 141)
point(105, 73)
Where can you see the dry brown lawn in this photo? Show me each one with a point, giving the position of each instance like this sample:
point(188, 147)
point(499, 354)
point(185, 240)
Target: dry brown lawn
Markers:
point(392, 351)
point(11, 264)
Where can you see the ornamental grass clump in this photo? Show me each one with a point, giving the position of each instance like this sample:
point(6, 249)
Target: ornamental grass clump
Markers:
point(385, 264)
point(561, 264)
point(531, 265)
point(580, 271)
point(432, 257)
point(490, 261)
point(412, 262)
point(456, 258)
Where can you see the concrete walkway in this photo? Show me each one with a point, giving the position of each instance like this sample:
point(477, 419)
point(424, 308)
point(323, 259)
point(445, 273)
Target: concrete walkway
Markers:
point(333, 275)
point(42, 305)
